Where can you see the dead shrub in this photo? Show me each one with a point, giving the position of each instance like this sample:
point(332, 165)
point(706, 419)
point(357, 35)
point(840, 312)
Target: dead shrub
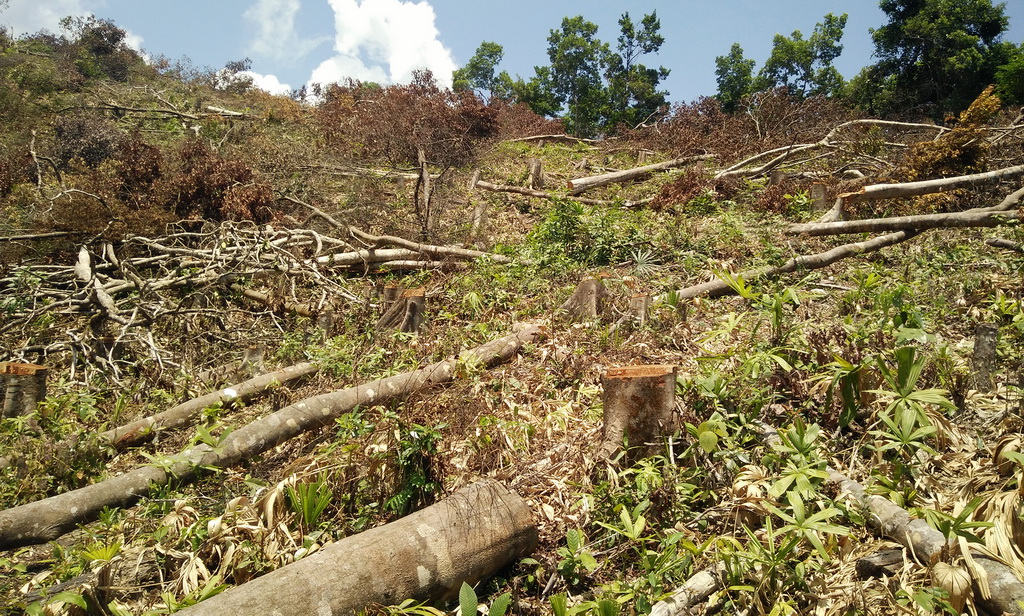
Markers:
point(212, 187)
point(89, 137)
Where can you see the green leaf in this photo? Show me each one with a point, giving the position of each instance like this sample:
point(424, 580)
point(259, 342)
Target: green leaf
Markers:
point(588, 561)
point(69, 597)
point(559, 604)
point(708, 441)
point(467, 600)
point(500, 605)
point(573, 540)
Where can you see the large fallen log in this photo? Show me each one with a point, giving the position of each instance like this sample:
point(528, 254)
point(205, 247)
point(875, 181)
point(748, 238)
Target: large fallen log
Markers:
point(427, 249)
point(467, 537)
point(580, 185)
point(141, 430)
point(50, 518)
point(540, 194)
point(893, 223)
point(1000, 593)
point(875, 192)
point(718, 288)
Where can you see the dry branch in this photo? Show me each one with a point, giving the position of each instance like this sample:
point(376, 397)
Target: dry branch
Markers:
point(427, 249)
point(49, 518)
point(919, 222)
point(1005, 592)
point(539, 194)
point(696, 589)
point(581, 185)
point(144, 429)
point(467, 537)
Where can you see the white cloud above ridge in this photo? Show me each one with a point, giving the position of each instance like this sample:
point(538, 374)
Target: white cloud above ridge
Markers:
point(25, 17)
point(267, 83)
point(277, 37)
point(385, 41)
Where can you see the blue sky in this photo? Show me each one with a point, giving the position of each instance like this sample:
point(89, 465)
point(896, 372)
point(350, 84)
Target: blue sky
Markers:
point(293, 42)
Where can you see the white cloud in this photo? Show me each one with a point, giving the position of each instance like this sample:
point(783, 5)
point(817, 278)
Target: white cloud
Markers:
point(385, 41)
point(276, 36)
point(31, 16)
point(268, 83)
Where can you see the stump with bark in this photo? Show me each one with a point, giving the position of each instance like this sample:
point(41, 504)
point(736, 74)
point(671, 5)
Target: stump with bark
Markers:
point(22, 388)
point(587, 302)
point(638, 407)
point(986, 336)
point(405, 313)
point(427, 555)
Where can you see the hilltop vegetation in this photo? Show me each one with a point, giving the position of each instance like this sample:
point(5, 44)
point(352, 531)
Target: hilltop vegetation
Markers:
point(168, 231)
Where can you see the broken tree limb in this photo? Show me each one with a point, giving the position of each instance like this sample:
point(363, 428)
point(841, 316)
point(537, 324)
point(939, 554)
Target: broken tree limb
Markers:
point(875, 192)
point(638, 407)
point(581, 185)
point(276, 305)
point(427, 249)
point(893, 223)
point(47, 519)
point(718, 288)
point(539, 194)
point(1003, 592)
point(696, 589)
point(1005, 244)
point(427, 555)
point(141, 430)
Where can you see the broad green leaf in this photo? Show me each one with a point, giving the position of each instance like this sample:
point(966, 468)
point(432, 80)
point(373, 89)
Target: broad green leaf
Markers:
point(467, 600)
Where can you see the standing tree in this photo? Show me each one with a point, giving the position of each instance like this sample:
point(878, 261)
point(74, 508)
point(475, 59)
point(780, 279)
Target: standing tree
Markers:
point(735, 75)
point(633, 88)
point(478, 74)
point(804, 66)
point(577, 59)
point(935, 56)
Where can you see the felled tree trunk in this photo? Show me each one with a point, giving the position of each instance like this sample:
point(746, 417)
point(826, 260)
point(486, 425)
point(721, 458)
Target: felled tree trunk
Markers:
point(923, 221)
point(467, 537)
point(638, 406)
point(50, 518)
point(406, 313)
point(580, 185)
point(139, 431)
point(22, 388)
point(696, 589)
point(587, 302)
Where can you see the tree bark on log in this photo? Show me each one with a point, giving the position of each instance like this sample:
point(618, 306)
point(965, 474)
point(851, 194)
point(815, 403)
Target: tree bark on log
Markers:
point(580, 185)
point(47, 519)
point(427, 555)
point(141, 430)
point(1005, 592)
point(269, 301)
point(638, 406)
point(893, 223)
point(718, 288)
point(539, 194)
point(986, 336)
point(536, 174)
point(428, 249)
point(696, 589)
point(1005, 244)
point(23, 388)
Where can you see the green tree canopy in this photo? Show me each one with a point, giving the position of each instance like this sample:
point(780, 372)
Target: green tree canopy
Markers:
point(577, 59)
point(735, 75)
point(478, 74)
point(935, 56)
point(633, 95)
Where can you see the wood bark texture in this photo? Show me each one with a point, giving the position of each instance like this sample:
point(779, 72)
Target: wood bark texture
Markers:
point(986, 336)
point(47, 519)
point(22, 387)
point(923, 221)
point(581, 185)
point(406, 313)
point(467, 537)
point(141, 430)
point(696, 589)
point(638, 406)
point(587, 301)
point(1005, 592)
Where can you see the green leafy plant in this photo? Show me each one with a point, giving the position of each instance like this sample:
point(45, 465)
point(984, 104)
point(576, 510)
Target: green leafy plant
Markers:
point(575, 557)
point(468, 603)
point(309, 500)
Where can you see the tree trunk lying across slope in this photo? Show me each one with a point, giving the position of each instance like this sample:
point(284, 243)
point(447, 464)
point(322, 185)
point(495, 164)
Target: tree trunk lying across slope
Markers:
point(892, 223)
point(717, 288)
point(540, 194)
point(467, 537)
point(1005, 593)
point(580, 185)
point(138, 431)
point(49, 518)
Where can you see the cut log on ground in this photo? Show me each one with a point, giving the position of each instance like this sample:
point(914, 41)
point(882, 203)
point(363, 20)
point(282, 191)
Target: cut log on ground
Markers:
point(639, 402)
point(427, 555)
point(875, 192)
point(139, 431)
point(22, 388)
point(379, 241)
point(718, 288)
point(696, 589)
point(1002, 594)
point(50, 518)
point(587, 302)
point(893, 223)
point(539, 194)
point(277, 305)
point(1005, 244)
point(580, 185)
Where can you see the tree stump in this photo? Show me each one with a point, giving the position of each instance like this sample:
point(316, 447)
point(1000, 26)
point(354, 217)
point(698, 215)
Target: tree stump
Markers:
point(638, 407)
point(819, 198)
point(536, 178)
point(23, 387)
point(427, 555)
point(406, 313)
point(986, 336)
point(587, 302)
point(639, 306)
